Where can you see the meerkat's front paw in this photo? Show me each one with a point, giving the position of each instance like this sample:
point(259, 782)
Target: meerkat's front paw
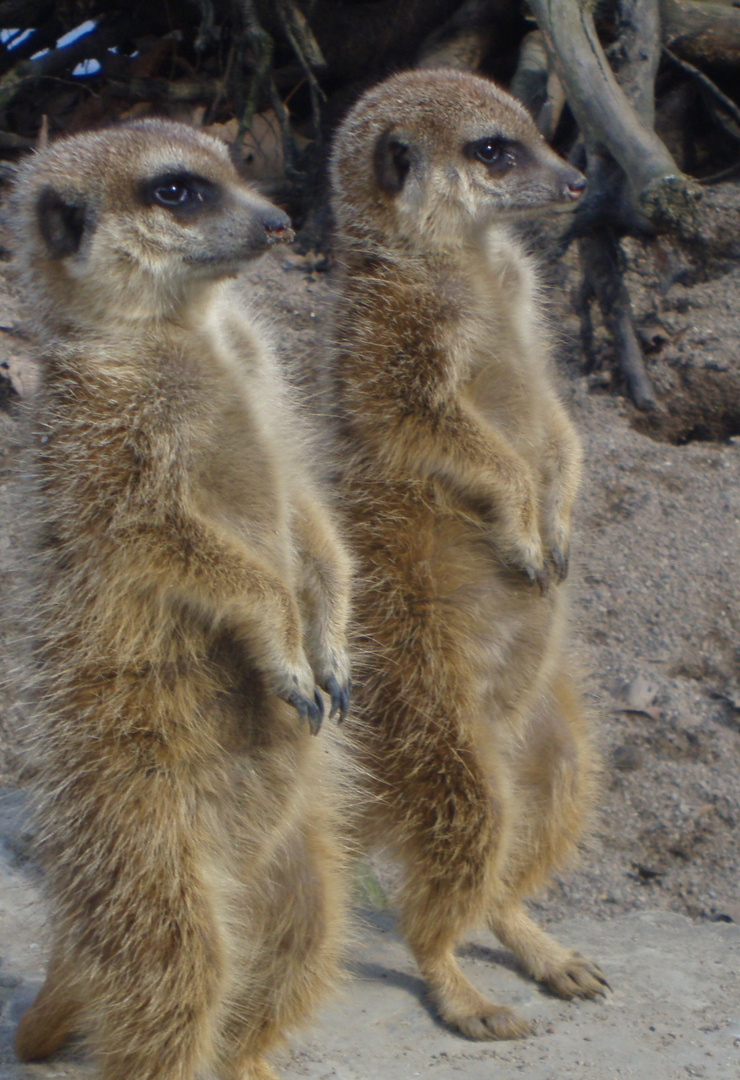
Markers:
point(559, 559)
point(332, 672)
point(340, 696)
point(517, 535)
point(313, 711)
point(557, 548)
point(297, 687)
point(537, 575)
point(556, 536)
point(529, 560)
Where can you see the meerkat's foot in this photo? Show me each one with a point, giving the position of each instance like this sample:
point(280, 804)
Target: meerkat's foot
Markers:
point(44, 1028)
point(576, 977)
point(563, 971)
point(461, 1006)
point(257, 1069)
point(491, 1022)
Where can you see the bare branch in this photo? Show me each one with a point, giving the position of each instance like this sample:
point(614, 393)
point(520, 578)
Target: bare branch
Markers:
point(537, 85)
point(638, 55)
point(606, 117)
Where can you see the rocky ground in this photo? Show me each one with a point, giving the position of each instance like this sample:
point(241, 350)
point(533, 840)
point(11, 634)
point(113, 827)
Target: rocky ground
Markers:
point(656, 615)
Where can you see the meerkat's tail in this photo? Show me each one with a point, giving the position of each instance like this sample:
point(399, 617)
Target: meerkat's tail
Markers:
point(50, 1022)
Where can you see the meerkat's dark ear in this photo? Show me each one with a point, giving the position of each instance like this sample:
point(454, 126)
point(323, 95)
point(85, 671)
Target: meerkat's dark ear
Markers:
point(393, 159)
point(62, 221)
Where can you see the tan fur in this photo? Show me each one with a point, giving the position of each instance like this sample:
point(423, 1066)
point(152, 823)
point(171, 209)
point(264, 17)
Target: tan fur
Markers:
point(187, 590)
point(459, 468)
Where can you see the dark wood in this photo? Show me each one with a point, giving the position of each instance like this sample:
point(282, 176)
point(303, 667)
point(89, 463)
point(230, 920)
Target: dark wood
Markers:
point(602, 263)
point(356, 39)
point(463, 40)
point(704, 34)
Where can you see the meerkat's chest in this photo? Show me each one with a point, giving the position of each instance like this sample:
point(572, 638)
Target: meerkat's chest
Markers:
point(506, 384)
point(240, 471)
point(501, 348)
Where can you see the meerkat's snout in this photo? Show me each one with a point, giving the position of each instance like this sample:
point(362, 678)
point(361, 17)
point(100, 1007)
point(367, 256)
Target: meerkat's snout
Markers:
point(574, 185)
point(278, 229)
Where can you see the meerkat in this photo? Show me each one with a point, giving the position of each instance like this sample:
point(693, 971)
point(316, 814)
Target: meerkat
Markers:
point(187, 594)
point(459, 467)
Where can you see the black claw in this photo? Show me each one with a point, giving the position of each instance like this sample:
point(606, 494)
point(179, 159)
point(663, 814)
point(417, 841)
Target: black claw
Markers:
point(536, 576)
point(543, 579)
point(299, 704)
point(332, 689)
point(313, 711)
point(560, 562)
point(339, 698)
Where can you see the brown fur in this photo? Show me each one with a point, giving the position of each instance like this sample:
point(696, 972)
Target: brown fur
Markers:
point(459, 470)
point(187, 592)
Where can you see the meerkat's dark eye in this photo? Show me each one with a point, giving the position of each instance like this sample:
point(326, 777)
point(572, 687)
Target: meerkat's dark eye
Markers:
point(489, 150)
point(175, 194)
point(181, 192)
point(495, 151)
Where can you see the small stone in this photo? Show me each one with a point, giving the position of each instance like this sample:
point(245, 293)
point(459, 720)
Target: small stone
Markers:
point(728, 912)
point(640, 692)
point(627, 758)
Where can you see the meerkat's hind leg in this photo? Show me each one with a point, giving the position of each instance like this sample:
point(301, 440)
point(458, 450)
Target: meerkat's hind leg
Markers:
point(562, 970)
point(555, 775)
point(447, 876)
point(462, 1006)
point(257, 1069)
point(300, 923)
point(51, 1021)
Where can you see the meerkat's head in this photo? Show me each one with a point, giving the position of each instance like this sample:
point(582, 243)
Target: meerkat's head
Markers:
point(132, 222)
point(434, 158)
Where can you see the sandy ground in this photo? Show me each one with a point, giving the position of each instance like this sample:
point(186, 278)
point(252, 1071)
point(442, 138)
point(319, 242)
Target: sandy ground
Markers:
point(674, 1011)
point(655, 587)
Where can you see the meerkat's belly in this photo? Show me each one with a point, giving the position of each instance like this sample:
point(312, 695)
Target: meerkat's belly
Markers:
point(507, 396)
point(501, 626)
point(434, 581)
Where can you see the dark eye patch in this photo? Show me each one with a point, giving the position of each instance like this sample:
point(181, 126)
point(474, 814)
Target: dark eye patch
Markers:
point(182, 193)
point(63, 220)
point(496, 152)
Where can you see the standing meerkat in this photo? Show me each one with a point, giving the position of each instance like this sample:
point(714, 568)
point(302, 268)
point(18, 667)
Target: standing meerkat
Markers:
point(459, 470)
point(187, 593)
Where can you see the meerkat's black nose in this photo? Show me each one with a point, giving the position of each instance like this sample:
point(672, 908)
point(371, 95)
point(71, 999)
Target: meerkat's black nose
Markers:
point(574, 188)
point(277, 227)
